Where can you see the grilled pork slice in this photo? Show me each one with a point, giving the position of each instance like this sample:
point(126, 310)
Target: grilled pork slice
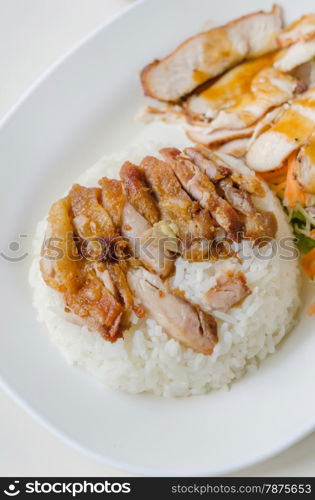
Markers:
point(269, 88)
point(138, 192)
point(199, 186)
point(185, 323)
point(230, 290)
point(195, 226)
point(305, 166)
point(296, 55)
point(156, 246)
point(229, 89)
point(300, 30)
point(84, 293)
point(267, 122)
point(306, 73)
point(292, 130)
point(208, 137)
point(237, 147)
point(209, 54)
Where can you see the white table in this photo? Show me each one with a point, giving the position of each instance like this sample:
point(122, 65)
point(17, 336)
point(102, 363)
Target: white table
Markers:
point(33, 34)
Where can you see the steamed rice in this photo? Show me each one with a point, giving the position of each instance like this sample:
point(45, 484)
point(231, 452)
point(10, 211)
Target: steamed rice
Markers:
point(148, 359)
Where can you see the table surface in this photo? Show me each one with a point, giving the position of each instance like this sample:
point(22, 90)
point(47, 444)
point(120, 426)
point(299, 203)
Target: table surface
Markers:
point(33, 35)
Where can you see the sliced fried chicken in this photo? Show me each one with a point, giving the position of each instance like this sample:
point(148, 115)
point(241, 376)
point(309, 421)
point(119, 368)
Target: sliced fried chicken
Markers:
point(262, 227)
point(210, 164)
point(152, 240)
point(236, 213)
point(97, 306)
point(84, 293)
point(209, 54)
point(117, 272)
point(199, 186)
point(90, 217)
point(138, 192)
point(86, 202)
point(292, 130)
point(238, 198)
point(61, 264)
point(113, 199)
point(182, 321)
point(241, 174)
point(230, 291)
point(218, 165)
point(195, 226)
point(155, 249)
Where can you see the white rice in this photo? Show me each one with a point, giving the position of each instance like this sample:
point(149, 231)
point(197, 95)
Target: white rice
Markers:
point(148, 359)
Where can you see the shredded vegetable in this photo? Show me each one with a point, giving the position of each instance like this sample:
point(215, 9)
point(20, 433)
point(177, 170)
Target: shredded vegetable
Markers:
point(308, 263)
point(300, 207)
point(311, 310)
point(293, 191)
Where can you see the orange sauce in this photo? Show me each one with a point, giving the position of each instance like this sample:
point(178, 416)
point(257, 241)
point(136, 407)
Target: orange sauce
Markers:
point(238, 81)
point(294, 125)
point(217, 45)
point(200, 76)
point(218, 54)
point(310, 149)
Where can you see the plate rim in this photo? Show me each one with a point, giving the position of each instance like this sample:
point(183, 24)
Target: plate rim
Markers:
point(147, 471)
point(44, 422)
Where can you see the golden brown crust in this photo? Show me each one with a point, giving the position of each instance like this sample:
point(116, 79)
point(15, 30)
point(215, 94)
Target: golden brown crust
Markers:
point(144, 75)
point(138, 192)
point(113, 198)
point(86, 205)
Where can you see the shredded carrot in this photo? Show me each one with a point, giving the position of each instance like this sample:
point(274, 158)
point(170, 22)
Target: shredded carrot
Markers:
point(308, 199)
point(274, 176)
point(311, 310)
point(308, 263)
point(312, 234)
point(277, 188)
point(293, 192)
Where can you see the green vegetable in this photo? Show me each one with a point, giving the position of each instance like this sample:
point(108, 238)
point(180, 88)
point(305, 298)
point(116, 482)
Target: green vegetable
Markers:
point(302, 227)
point(304, 243)
point(298, 217)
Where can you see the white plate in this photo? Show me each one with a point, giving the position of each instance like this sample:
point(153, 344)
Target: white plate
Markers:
point(81, 109)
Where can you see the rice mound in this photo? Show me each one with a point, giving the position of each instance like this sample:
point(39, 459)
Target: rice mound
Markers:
point(148, 360)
